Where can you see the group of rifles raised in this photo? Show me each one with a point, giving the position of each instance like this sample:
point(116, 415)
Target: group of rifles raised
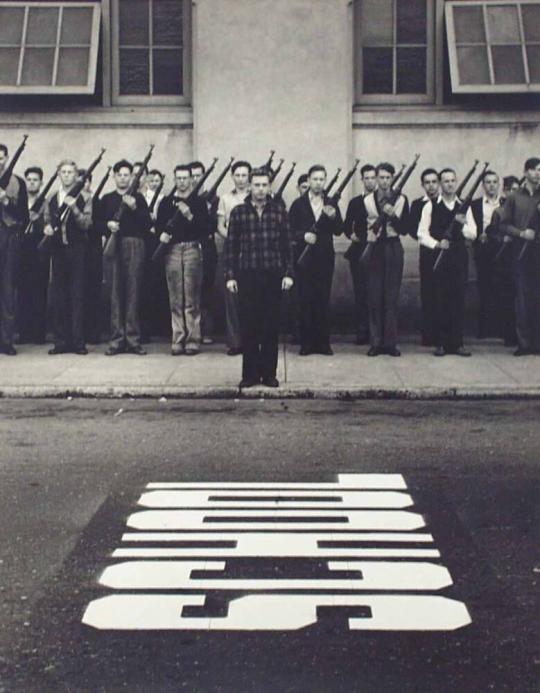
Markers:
point(56, 248)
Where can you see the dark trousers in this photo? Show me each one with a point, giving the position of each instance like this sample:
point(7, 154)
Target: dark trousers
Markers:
point(127, 277)
point(209, 259)
point(259, 295)
point(527, 277)
point(314, 287)
point(33, 282)
point(232, 319)
point(359, 280)
point(488, 289)
point(67, 293)
point(93, 298)
point(506, 301)
point(385, 271)
point(9, 258)
point(154, 309)
point(450, 285)
point(427, 295)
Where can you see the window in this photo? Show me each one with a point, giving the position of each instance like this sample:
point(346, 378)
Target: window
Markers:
point(394, 51)
point(150, 42)
point(48, 49)
point(494, 46)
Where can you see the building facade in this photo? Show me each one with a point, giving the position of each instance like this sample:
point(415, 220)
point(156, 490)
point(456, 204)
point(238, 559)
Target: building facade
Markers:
point(317, 80)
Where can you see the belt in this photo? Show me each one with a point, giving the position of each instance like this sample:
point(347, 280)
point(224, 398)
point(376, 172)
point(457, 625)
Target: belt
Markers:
point(188, 244)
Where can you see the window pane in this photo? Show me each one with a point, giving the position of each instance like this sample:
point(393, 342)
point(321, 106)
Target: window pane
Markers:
point(76, 26)
point(167, 23)
point(72, 67)
point(473, 65)
point(9, 63)
point(167, 70)
point(37, 67)
point(533, 56)
point(133, 19)
point(503, 24)
point(508, 64)
point(377, 70)
point(376, 22)
point(11, 23)
point(469, 25)
point(134, 71)
point(411, 71)
point(42, 26)
point(531, 22)
point(411, 21)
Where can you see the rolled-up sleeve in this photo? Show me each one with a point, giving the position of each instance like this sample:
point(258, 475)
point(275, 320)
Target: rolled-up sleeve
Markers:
point(424, 236)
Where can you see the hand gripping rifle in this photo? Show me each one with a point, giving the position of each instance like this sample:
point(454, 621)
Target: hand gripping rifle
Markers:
point(160, 251)
point(212, 193)
point(331, 184)
point(462, 208)
point(64, 211)
point(380, 221)
point(37, 207)
point(279, 192)
point(334, 199)
point(110, 248)
point(6, 175)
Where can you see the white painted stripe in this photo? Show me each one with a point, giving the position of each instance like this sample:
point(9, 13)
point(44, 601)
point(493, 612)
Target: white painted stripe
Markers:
point(271, 612)
point(198, 499)
point(285, 552)
point(155, 575)
point(211, 519)
point(241, 537)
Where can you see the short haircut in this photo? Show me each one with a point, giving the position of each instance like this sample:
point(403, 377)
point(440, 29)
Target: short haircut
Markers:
point(67, 162)
point(259, 173)
point(182, 167)
point(34, 169)
point(533, 162)
point(316, 168)
point(385, 166)
point(428, 172)
point(123, 163)
point(197, 164)
point(3, 148)
point(155, 172)
point(303, 178)
point(509, 181)
point(241, 164)
point(366, 168)
point(140, 164)
point(489, 173)
point(447, 170)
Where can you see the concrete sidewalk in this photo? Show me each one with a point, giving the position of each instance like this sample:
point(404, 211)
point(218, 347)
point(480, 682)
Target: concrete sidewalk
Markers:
point(492, 372)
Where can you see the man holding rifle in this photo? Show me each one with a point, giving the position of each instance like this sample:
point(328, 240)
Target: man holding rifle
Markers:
point(183, 223)
point(520, 218)
point(450, 280)
point(128, 261)
point(13, 218)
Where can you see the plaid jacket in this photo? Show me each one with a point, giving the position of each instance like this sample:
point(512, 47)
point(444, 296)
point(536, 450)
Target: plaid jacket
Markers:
point(255, 243)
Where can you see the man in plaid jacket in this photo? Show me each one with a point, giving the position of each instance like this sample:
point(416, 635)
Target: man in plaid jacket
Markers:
point(259, 266)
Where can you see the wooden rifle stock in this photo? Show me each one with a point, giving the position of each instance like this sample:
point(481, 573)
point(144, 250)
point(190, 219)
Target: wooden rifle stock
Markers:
point(6, 175)
point(462, 209)
point(111, 246)
point(212, 193)
point(160, 251)
point(37, 207)
point(395, 192)
point(285, 182)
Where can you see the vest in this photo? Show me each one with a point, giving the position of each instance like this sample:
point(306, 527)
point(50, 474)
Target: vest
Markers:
point(71, 232)
point(441, 218)
point(373, 212)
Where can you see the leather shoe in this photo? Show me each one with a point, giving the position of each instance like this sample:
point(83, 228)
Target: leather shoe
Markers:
point(373, 351)
point(270, 382)
point(234, 351)
point(393, 351)
point(439, 351)
point(113, 351)
point(522, 351)
point(304, 352)
point(461, 351)
point(58, 350)
point(137, 350)
point(81, 351)
point(9, 350)
point(192, 352)
point(246, 382)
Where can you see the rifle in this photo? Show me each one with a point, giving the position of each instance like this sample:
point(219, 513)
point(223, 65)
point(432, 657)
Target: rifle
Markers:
point(279, 194)
point(37, 207)
point(212, 193)
point(398, 175)
point(268, 164)
point(381, 220)
point(109, 251)
point(454, 225)
point(334, 199)
point(155, 196)
point(160, 251)
point(461, 186)
point(102, 184)
point(331, 184)
point(276, 173)
point(63, 212)
point(6, 175)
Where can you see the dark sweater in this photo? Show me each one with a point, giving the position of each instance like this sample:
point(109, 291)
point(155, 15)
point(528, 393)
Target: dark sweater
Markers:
point(184, 231)
point(134, 223)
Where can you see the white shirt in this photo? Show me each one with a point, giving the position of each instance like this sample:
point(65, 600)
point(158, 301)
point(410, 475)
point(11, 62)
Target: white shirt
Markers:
point(317, 204)
point(424, 236)
point(488, 207)
point(228, 202)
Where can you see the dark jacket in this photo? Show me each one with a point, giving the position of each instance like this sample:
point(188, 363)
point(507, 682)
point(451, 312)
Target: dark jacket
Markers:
point(183, 231)
point(302, 220)
point(134, 223)
point(78, 221)
point(415, 214)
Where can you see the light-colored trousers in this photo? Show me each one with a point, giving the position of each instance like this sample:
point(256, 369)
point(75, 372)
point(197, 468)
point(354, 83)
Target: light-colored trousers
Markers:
point(183, 270)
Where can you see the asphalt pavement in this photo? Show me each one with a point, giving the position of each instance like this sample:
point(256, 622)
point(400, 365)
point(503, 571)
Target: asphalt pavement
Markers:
point(264, 545)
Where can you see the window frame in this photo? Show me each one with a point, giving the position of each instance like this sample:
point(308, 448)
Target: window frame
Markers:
point(118, 99)
point(361, 99)
point(90, 86)
point(493, 88)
